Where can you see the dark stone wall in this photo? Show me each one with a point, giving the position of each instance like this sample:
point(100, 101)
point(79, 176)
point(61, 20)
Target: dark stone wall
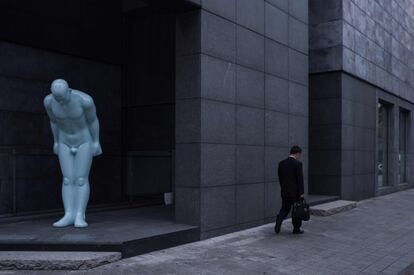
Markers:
point(325, 112)
point(359, 123)
point(378, 44)
point(343, 135)
point(368, 44)
point(242, 101)
point(372, 40)
point(85, 28)
point(325, 35)
point(150, 100)
point(40, 42)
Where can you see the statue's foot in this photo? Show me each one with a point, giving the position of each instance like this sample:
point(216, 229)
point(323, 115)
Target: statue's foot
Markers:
point(80, 221)
point(65, 221)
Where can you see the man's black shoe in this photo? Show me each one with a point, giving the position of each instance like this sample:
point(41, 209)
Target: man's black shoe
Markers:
point(278, 226)
point(295, 232)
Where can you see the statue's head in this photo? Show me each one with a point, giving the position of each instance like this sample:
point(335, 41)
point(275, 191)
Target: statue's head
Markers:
point(60, 90)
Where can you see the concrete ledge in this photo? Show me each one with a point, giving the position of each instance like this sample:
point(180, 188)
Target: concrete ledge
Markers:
point(41, 260)
point(152, 228)
point(319, 199)
point(331, 208)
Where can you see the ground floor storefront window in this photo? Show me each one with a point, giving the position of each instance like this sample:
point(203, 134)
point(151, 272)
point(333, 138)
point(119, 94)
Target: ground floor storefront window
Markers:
point(402, 154)
point(382, 147)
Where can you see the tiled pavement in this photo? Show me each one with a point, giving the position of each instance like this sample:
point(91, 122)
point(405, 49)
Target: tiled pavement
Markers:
point(376, 237)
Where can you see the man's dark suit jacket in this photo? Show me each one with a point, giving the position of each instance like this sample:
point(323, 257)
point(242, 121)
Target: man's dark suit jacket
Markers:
point(291, 178)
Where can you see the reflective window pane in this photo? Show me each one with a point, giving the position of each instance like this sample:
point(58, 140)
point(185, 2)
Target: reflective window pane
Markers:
point(382, 139)
point(402, 154)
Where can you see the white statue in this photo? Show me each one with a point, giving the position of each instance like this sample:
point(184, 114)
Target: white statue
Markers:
point(75, 129)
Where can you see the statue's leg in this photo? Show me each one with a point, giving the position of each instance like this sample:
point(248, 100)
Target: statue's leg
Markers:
point(66, 164)
point(83, 162)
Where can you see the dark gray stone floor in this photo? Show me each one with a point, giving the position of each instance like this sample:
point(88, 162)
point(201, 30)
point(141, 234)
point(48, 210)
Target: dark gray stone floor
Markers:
point(130, 231)
point(377, 237)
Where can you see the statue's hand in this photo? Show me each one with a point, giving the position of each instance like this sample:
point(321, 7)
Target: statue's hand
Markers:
point(55, 148)
point(97, 150)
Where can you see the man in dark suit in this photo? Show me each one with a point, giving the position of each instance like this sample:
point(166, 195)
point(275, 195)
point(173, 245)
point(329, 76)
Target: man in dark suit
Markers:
point(291, 182)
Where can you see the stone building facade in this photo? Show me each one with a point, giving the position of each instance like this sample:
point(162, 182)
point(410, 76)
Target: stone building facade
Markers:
point(361, 97)
point(199, 98)
point(203, 98)
point(250, 94)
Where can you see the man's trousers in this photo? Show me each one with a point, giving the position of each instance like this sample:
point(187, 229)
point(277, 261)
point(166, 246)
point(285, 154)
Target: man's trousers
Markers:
point(287, 204)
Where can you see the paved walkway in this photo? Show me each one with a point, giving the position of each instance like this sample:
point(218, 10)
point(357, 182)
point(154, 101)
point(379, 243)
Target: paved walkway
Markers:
point(376, 237)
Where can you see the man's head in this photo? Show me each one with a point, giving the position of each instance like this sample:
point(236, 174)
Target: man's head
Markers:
point(296, 151)
point(60, 90)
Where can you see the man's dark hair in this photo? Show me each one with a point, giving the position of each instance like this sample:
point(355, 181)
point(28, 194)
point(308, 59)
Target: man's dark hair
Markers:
point(295, 149)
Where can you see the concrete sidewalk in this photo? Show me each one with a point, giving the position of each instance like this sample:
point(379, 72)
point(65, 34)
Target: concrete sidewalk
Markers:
point(376, 237)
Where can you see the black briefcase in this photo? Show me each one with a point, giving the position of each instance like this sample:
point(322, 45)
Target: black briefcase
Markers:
point(301, 210)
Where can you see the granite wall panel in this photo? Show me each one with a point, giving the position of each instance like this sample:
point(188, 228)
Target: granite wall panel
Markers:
point(251, 108)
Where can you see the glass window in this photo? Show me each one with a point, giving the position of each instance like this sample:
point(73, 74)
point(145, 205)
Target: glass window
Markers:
point(382, 146)
point(402, 154)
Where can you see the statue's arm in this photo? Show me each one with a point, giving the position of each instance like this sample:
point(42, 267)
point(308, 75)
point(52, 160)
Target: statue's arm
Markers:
point(55, 131)
point(53, 126)
point(93, 123)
